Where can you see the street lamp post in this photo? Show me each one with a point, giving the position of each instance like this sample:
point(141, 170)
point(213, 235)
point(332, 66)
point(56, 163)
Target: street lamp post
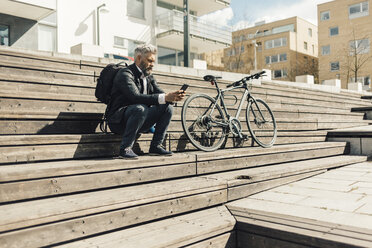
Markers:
point(255, 54)
point(98, 11)
point(186, 33)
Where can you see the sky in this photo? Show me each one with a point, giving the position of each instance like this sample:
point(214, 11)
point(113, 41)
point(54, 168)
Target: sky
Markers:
point(244, 13)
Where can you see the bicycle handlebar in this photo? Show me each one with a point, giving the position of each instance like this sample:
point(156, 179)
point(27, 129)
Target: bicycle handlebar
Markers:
point(254, 76)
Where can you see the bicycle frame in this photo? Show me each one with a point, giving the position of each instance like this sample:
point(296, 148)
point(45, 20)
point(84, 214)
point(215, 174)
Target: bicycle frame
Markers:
point(220, 97)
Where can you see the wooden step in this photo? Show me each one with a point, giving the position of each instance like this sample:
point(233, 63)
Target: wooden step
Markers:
point(25, 181)
point(328, 210)
point(77, 216)
point(242, 183)
point(212, 227)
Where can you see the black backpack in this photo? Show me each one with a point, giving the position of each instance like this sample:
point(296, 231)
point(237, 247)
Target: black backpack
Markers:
point(104, 86)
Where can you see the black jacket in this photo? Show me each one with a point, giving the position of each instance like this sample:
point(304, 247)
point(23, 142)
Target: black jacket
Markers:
point(126, 90)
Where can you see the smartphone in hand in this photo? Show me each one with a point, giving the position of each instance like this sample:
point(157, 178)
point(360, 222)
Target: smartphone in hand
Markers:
point(184, 87)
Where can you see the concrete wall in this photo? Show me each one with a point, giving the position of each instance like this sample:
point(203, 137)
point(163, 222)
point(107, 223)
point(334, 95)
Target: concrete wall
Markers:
point(349, 29)
point(22, 32)
point(77, 24)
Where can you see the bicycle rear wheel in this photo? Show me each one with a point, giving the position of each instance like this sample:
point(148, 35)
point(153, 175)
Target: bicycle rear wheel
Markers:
point(202, 122)
point(261, 122)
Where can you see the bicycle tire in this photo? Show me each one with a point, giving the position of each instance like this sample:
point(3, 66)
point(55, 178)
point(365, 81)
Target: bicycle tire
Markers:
point(263, 133)
point(199, 125)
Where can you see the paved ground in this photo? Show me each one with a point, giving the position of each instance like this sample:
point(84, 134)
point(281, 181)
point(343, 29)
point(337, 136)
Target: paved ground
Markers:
point(340, 196)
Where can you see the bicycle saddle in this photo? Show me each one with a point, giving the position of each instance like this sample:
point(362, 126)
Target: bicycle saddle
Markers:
point(210, 78)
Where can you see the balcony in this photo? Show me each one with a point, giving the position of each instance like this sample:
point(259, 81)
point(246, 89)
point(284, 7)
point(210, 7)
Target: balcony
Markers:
point(202, 7)
point(34, 10)
point(204, 36)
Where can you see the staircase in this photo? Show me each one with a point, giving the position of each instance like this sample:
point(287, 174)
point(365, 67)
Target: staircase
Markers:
point(60, 184)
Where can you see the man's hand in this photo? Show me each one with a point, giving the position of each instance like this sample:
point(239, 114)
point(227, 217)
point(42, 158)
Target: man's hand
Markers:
point(175, 96)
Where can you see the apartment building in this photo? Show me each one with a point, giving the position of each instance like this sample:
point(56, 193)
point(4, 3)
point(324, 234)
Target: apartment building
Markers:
point(111, 28)
point(287, 47)
point(345, 33)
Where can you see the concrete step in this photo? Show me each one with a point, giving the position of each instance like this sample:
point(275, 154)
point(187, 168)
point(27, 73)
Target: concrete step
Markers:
point(206, 228)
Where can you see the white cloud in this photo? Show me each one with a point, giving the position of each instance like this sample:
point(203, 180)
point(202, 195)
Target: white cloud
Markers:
point(219, 17)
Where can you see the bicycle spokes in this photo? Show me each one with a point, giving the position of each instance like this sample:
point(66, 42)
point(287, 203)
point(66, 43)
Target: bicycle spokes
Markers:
point(202, 120)
point(261, 123)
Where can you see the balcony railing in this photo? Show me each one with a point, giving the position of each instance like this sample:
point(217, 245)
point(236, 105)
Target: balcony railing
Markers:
point(173, 20)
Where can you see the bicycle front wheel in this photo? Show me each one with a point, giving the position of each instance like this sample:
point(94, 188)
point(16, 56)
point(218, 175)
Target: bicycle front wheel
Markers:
point(202, 122)
point(261, 122)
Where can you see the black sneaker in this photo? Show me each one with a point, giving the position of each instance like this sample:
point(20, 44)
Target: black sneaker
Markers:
point(127, 153)
point(159, 151)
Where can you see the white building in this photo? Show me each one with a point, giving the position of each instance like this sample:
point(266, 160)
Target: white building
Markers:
point(111, 27)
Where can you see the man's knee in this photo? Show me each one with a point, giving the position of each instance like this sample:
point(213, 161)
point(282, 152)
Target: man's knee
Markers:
point(169, 109)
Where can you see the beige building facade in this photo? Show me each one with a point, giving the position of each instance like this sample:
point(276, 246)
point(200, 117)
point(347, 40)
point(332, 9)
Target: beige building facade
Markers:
point(345, 33)
point(287, 47)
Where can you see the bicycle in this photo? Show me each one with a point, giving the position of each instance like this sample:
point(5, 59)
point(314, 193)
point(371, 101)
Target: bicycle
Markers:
point(207, 124)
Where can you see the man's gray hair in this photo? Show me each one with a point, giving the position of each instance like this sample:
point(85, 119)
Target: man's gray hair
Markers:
point(144, 49)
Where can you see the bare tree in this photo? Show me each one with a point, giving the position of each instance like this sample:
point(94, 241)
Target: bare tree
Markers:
point(236, 57)
point(356, 54)
point(304, 65)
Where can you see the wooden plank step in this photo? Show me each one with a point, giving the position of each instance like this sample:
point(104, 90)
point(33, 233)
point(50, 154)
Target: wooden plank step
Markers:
point(19, 140)
point(47, 73)
point(34, 79)
point(241, 182)
point(224, 160)
point(185, 230)
point(54, 178)
point(86, 126)
point(23, 148)
point(297, 231)
point(77, 216)
point(126, 172)
point(38, 66)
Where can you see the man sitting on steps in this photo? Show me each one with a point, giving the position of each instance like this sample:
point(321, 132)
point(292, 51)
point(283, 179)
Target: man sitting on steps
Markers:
point(138, 103)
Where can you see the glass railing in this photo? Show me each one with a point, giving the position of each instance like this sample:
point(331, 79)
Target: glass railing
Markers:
point(173, 20)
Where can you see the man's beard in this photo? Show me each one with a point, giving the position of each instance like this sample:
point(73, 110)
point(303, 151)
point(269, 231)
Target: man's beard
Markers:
point(146, 71)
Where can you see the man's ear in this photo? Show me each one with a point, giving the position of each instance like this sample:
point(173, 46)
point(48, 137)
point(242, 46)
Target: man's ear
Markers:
point(138, 59)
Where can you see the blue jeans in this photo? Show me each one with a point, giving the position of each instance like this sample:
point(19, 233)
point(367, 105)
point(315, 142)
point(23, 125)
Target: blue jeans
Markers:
point(140, 118)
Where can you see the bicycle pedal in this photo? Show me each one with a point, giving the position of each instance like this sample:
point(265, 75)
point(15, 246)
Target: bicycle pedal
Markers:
point(245, 137)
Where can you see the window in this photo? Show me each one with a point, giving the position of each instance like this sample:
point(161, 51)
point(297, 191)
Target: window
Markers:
point(280, 73)
point(335, 66)
point(313, 49)
point(358, 10)
point(283, 57)
point(242, 49)
point(333, 31)
point(364, 80)
point(285, 28)
point(305, 45)
point(275, 43)
point(118, 41)
point(326, 50)
point(276, 58)
point(136, 8)
point(359, 46)
point(4, 35)
point(325, 15)
point(310, 32)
